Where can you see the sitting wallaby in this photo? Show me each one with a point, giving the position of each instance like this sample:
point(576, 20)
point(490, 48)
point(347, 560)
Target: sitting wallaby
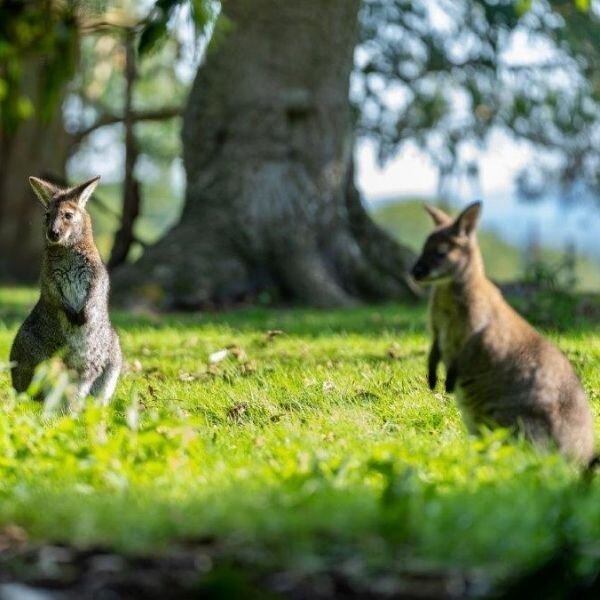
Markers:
point(502, 370)
point(71, 315)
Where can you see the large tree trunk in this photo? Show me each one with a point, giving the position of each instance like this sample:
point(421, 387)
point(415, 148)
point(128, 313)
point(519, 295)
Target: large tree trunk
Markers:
point(271, 208)
point(37, 148)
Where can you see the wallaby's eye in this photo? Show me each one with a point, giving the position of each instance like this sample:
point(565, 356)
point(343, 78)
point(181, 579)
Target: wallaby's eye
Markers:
point(68, 216)
point(442, 250)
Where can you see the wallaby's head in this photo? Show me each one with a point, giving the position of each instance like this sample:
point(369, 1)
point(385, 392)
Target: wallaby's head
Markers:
point(67, 222)
point(451, 246)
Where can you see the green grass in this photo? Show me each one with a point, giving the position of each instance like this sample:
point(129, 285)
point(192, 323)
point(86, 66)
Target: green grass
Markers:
point(301, 450)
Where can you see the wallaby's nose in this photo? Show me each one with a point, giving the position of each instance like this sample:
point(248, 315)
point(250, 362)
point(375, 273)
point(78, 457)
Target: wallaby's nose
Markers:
point(53, 235)
point(419, 271)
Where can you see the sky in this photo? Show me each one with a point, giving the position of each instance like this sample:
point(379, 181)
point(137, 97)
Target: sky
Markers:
point(411, 173)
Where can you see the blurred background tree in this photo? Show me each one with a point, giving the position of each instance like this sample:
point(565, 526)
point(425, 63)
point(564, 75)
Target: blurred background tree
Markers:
point(271, 211)
point(39, 44)
point(71, 94)
point(446, 74)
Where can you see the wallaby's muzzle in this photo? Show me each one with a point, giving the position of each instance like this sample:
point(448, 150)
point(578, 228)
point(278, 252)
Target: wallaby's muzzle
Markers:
point(419, 271)
point(53, 235)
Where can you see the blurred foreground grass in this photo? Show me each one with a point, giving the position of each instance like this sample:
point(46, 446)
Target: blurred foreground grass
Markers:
point(311, 442)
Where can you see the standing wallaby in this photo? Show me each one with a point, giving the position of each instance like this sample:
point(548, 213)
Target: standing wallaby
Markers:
point(503, 372)
point(71, 315)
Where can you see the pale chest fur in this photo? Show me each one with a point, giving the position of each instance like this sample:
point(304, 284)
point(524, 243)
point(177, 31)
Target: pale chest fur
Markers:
point(72, 280)
point(453, 322)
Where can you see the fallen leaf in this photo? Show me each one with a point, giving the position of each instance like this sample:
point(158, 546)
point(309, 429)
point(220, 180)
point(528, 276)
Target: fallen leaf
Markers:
point(187, 377)
point(328, 386)
point(273, 333)
point(237, 411)
point(218, 356)
point(136, 366)
point(238, 352)
point(12, 535)
point(394, 351)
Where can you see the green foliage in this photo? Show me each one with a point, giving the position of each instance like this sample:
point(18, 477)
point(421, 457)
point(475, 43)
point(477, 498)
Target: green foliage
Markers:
point(440, 74)
point(155, 28)
point(299, 438)
point(37, 37)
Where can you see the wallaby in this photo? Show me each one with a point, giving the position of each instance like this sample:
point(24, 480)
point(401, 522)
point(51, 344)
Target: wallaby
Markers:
point(71, 315)
point(503, 372)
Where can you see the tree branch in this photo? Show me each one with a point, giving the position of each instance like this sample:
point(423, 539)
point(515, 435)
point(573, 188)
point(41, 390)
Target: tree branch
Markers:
point(159, 114)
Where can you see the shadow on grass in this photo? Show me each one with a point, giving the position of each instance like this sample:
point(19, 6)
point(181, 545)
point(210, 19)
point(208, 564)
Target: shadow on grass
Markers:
point(369, 321)
point(552, 310)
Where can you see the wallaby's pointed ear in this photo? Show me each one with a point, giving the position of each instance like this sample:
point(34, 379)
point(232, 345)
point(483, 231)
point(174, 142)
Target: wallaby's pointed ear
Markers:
point(82, 193)
point(466, 222)
point(44, 190)
point(438, 215)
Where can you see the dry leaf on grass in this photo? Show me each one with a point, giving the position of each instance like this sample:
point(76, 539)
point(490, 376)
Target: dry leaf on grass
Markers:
point(394, 351)
point(237, 411)
point(187, 377)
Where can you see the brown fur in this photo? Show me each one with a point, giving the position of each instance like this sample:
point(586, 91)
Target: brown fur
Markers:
point(503, 372)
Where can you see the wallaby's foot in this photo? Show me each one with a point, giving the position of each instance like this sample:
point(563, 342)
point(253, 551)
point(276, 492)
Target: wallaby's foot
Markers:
point(84, 389)
point(432, 380)
point(21, 378)
point(27, 352)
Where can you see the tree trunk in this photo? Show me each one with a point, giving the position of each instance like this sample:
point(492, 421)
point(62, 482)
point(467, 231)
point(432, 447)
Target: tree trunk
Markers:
point(271, 210)
point(37, 148)
point(132, 200)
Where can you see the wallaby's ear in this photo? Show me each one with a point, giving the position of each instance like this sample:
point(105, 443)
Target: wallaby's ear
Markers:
point(438, 215)
point(82, 193)
point(466, 222)
point(44, 190)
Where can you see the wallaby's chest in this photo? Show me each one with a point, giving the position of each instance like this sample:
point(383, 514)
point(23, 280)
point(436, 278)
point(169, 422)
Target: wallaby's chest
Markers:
point(453, 322)
point(72, 280)
point(450, 331)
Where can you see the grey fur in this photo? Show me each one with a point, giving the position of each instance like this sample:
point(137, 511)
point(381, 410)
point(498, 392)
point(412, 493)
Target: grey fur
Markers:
point(71, 316)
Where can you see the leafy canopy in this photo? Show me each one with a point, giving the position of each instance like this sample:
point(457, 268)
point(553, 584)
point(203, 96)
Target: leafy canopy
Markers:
point(445, 73)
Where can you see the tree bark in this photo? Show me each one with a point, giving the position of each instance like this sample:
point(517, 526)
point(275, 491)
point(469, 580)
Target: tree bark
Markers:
point(271, 209)
point(37, 148)
point(131, 190)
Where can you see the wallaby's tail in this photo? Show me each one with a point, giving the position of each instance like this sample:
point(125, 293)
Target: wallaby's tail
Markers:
point(591, 468)
point(594, 462)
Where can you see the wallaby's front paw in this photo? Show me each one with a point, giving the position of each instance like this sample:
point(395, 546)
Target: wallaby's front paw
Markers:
point(451, 380)
point(75, 318)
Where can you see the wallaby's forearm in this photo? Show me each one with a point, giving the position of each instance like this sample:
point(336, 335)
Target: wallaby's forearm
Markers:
point(75, 316)
point(451, 376)
point(432, 364)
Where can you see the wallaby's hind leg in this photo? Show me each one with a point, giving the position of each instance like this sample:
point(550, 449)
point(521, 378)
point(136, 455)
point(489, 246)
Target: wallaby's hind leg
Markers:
point(26, 354)
point(104, 386)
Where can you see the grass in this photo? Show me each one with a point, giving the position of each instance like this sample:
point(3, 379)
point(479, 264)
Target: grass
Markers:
point(314, 447)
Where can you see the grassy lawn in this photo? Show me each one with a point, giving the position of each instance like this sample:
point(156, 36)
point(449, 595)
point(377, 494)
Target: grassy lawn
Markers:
point(312, 448)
